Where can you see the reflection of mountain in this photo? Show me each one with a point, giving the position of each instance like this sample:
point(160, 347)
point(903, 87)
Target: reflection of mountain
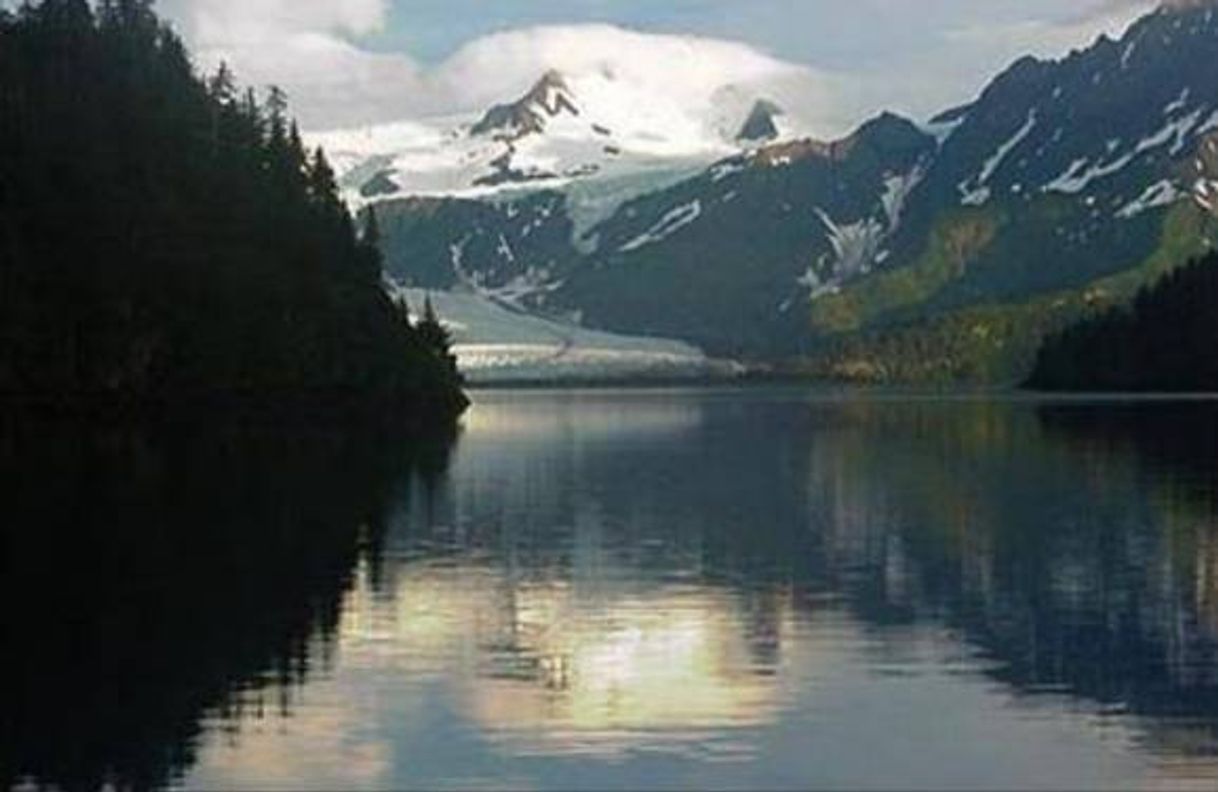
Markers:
point(162, 577)
point(1076, 554)
point(595, 576)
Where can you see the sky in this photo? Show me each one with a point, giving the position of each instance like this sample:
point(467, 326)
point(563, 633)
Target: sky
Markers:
point(350, 63)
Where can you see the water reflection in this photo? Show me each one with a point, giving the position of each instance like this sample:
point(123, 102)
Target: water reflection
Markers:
point(621, 589)
point(163, 575)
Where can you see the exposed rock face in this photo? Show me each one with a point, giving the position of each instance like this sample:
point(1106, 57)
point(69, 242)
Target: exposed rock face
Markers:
point(1059, 175)
point(760, 126)
point(548, 98)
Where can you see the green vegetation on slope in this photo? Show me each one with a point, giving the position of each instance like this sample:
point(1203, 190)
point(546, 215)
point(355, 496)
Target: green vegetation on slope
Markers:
point(958, 238)
point(872, 332)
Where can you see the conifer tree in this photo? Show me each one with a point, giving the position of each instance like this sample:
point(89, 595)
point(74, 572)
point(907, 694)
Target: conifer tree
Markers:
point(435, 335)
point(207, 255)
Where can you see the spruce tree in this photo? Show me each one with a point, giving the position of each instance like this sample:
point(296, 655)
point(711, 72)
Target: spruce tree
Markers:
point(208, 256)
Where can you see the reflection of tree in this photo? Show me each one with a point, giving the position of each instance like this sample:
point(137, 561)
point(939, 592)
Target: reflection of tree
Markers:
point(604, 575)
point(1076, 550)
point(160, 576)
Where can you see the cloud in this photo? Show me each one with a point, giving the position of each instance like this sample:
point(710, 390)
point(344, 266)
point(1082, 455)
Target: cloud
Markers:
point(212, 21)
point(687, 70)
point(871, 55)
point(312, 49)
point(308, 47)
point(1051, 36)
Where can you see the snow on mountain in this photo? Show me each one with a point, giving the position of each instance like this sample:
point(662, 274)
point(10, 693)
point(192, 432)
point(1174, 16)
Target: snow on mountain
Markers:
point(586, 126)
point(1101, 126)
point(496, 343)
point(606, 199)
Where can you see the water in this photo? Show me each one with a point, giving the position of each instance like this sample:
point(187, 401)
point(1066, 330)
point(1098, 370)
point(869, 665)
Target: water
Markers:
point(708, 588)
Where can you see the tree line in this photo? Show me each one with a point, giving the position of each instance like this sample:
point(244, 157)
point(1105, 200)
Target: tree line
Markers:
point(166, 236)
point(1165, 340)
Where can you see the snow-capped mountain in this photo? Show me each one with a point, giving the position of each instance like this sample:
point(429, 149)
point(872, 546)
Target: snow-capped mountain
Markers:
point(1064, 184)
point(566, 128)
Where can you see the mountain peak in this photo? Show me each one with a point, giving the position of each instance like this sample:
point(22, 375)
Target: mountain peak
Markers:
point(760, 126)
point(549, 97)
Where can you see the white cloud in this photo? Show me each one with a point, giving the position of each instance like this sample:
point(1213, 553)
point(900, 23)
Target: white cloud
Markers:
point(1051, 38)
point(686, 71)
point(227, 21)
point(316, 50)
point(311, 49)
point(308, 47)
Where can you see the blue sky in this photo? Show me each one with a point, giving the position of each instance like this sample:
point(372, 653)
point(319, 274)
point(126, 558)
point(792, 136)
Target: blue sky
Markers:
point(351, 62)
point(819, 32)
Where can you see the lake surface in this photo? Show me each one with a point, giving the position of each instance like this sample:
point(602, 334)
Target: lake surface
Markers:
point(756, 588)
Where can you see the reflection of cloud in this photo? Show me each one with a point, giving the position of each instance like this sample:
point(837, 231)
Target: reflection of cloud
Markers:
point(266, 753)
point(675, 663)
point(554, 667)
point(495, 417)
point(1051, 638)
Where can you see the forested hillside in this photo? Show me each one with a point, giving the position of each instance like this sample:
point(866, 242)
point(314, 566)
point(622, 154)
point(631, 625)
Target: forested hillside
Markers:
point(1167, 340)
point(167, 238)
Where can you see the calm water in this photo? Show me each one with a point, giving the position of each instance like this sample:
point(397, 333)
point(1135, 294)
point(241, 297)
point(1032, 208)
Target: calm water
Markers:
point(713, 589)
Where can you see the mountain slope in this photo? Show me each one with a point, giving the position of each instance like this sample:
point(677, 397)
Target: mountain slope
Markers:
point(730, 258)
point(1065, 185)
point(1000, 219)
point(566, 128)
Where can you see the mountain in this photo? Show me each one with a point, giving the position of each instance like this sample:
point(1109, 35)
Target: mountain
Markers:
point(548, 99)
point(1063, 188)
point(761, 125)
point(905, 251)
point(587, 126)
point(729, 259)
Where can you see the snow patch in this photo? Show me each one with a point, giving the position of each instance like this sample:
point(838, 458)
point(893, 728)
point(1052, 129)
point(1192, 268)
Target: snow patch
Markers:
point(975, 197)
point(1178, 104)
point(942, 131)
point(505, 250)
point(976, 191)
point(1176, 130)
point(1128, 53)
point(456, 257)
point(669, 224)
point(854, 244)
point(1074, 180)
point(994, 162)
point(897, 189)
point(1209, 124)
point(1205, 193)
point(725, 169)
point(1162, 193)
point(593, 201)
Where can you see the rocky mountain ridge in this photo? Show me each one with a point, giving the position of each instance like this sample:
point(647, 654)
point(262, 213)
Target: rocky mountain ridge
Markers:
point(1060, 176)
